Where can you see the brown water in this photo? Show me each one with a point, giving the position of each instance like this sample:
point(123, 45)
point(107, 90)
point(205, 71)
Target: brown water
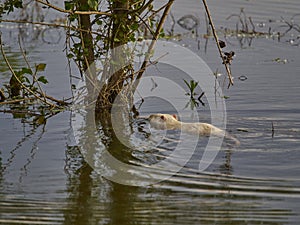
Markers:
point(44, 179)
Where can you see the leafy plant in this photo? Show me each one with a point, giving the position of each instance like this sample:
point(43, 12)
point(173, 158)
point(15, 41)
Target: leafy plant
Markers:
point(193, 102)
point(192, 86)
point(9, 5)
point(26, 79)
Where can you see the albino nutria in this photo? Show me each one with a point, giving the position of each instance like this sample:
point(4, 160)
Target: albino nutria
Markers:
point(171, 122)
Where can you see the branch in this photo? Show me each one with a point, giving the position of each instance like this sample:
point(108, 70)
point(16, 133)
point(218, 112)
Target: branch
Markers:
point(143, 8)
point(152, 44)
point(59, 102)
point(218, 44)
point(2, 96)
point(23, 86)
point(28, 65)
point(16, 101)
point(49, 24)
point(73, 12)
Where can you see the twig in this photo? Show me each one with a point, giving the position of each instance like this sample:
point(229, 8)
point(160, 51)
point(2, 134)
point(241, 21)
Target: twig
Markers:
point(146, 25)
point(143, 8)
point(152, 44)
point(73, 12)
point(218, 44)
point(67, 47)
point(28, 112)
point(18, 80)
point(60, 102)
point(49, 25)
point(16, 101)
point(2, 96)
point(252, 24)
point(28, 65)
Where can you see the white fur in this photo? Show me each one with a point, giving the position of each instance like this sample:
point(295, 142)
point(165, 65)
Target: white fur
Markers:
point(171, 122)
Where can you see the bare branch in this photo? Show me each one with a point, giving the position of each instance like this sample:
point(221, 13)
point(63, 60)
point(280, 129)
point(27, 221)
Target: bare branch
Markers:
point(73, 12)
point(48, 24)
point(153, 42)
point(16, 101)
point(218, 44)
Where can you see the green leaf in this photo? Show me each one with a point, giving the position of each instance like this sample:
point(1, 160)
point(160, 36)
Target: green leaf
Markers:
point(93, 4)
point(70, 55)
point(40, 120)
point(187, 84)
point(134, 26)
point(19, 73)
point(68, 5)
point(42, 79)
point(18, 4)
point(40, 67)
point(193, 84)
point(73, 17)
point(116, 40)
point(26, 71)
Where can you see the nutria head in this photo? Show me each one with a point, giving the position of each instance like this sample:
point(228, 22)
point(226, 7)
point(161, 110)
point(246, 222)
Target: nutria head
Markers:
point(163, 121)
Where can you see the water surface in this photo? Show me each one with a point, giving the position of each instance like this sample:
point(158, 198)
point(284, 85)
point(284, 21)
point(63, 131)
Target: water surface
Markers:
point(45, 180)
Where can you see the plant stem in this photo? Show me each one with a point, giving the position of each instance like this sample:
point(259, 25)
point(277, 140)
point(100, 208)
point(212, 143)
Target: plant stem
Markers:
point(152, 44)
point(73, 12)
point(23, 86)
point(218, 44)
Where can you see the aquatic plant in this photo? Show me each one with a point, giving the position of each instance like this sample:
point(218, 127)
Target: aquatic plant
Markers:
point(193, 102)
point(192, 86)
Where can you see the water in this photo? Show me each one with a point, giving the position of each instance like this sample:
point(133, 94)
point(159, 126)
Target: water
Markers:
point(44, 179)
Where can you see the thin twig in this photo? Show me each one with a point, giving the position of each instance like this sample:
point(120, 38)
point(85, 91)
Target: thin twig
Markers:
point(146, 25)
point(218, 44)
point(49, 25)
point(16, 77)
point(67, 47)
point(59, 102)
point(2, 96)
point(16, 101)
point(28, 65)
point(28, 112)
point(142, 8)
point(18, 80)
point(152, 44)
point(73, 12)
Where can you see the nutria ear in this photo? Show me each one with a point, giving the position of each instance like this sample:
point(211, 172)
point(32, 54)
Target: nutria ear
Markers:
point(175, 116)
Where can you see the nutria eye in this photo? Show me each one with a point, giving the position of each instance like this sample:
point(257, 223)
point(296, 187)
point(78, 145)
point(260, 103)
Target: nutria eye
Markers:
point(162, 117)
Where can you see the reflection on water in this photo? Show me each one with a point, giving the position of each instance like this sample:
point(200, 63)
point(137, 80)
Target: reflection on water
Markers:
point(43, 180)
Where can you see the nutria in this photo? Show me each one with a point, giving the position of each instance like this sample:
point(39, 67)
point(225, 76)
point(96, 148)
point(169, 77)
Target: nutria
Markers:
point(171, 122)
